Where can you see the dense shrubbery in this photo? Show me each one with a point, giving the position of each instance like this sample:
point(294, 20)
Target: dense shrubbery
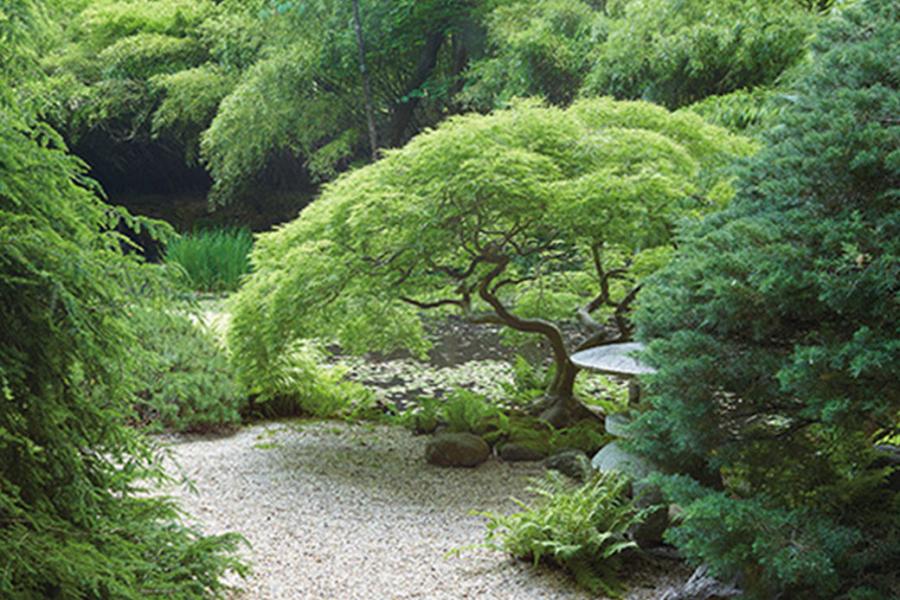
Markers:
point(213, 260)
point(776, 334)
point(579, 528)
point(73, 520)
point(185, 382)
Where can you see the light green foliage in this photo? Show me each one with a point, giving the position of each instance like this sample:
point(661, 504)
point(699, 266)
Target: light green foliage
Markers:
point(775, 332)
point(740, 111)
point(579, 528)
point(184, 378)
point(528, 191)
point(296, 114)
point(103, 71)
point(212, 260)
point(190, 100)
point(299, 384)
point(105, 22)
point(537, 48)
point(528, 384)
point(144, 55)
point(75, 519)
point(259, 80)
point(676, 53)
point(665, 51)
point(310, 79)
point(473, 413)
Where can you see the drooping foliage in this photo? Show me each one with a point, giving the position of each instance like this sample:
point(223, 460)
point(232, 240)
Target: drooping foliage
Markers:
point(540, 48)
point(271, 93)
point(675, 53)
point(262, 82)
point(72, 521)
point(775, 331)
point(518, 218)
point(669, 52)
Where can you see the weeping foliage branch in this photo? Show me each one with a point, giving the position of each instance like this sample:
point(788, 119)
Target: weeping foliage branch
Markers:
point(518, 218)
point(75, 518)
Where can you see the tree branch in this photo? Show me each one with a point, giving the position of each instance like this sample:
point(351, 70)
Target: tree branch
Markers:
point(434, 304)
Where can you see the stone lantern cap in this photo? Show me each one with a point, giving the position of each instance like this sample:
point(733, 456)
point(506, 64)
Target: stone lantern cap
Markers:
point(613, 359)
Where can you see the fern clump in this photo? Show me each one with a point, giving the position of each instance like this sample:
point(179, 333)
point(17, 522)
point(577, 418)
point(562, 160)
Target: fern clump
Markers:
point(467, 411)
point(582, 529)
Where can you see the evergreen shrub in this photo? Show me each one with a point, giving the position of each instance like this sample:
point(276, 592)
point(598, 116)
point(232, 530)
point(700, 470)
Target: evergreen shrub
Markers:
point(776, 333)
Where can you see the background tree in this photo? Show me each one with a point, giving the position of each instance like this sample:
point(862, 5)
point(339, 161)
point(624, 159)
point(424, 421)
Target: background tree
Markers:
point(73, 522)
point(775, 331)
point(676, 53)
point(536, 48)
point(274, 88)
point(518, 218)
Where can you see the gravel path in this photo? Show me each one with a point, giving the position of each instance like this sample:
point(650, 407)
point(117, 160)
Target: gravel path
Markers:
point(337, 511)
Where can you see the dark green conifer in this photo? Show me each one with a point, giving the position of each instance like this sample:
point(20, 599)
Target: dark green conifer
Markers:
point(776, 336)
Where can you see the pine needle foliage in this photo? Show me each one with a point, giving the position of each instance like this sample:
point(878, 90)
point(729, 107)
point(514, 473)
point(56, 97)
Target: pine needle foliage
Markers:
point(581, 529)
point(75, 521)
point(775, 332)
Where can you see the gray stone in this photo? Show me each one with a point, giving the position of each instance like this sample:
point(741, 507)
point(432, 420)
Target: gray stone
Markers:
point(573, 463)
point(702, 586)
point(513, 452)
point(616, 425)
point(612, 457)
point(613, 359)
point(457, 450)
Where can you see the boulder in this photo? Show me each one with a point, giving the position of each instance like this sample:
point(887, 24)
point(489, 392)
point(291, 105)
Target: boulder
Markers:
point(616, 424)
point(612, 457)
point(573, 463)
point(515, 452)
point(457, 450)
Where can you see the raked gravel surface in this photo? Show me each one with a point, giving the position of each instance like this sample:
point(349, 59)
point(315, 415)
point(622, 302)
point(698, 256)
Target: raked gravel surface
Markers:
point(338, 511)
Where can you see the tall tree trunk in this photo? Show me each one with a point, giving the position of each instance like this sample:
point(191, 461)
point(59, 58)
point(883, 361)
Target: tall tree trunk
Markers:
point(403, 110)
point(364, 73)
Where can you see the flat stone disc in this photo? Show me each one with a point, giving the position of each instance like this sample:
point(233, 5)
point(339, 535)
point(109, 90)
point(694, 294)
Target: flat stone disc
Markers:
point(614, 359)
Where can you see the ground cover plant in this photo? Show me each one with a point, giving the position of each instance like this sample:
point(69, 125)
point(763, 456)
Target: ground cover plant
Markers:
point(581, 528)
point(518, 218)
point(213, 260)
point(775, 331)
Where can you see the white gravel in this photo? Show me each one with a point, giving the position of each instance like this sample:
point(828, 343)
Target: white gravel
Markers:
point(338, 511)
